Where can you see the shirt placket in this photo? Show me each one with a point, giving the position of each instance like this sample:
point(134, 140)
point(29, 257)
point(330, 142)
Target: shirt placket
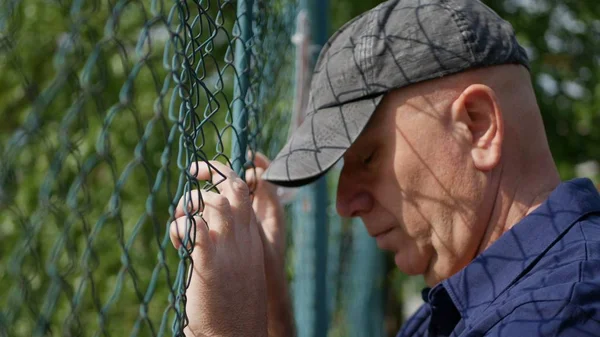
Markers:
point(444, 315)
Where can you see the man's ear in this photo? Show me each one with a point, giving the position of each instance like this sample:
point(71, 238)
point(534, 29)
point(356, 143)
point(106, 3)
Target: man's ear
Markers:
point(478, 109)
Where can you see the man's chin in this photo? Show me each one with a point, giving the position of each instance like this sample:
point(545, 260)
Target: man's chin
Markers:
point(409, 267)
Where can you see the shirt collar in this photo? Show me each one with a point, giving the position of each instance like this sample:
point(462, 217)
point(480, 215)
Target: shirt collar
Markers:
point(478, 284)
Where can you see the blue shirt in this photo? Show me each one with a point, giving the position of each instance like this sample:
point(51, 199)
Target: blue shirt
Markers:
point(540, 278)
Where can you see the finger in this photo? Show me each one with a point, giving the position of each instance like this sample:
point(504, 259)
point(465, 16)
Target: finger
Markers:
point(259, 186)
point(216, 211)
point(190, 231)
point(189, 204)
point(260, 160)
point(253, 178)
point(233, 187)
point(254, 174)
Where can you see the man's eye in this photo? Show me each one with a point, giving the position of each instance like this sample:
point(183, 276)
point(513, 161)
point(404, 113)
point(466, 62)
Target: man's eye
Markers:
point(368, 160)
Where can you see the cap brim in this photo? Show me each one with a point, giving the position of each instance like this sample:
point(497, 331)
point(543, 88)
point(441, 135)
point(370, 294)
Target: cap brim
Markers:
point(319, 142)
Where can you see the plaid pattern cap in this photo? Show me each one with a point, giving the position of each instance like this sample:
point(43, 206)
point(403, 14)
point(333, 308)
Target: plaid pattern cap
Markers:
point(398, 43)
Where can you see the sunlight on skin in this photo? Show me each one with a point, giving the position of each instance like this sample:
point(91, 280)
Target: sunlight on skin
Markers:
point(468, 158)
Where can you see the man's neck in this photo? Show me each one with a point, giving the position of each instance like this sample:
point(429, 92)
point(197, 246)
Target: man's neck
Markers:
point(515, 199)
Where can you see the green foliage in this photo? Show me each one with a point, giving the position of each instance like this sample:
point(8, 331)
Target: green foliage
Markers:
point(104, 105)
point(561, 38)
point(87, 170)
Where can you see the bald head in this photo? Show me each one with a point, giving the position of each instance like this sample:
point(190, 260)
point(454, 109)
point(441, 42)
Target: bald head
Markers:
point(524, 138)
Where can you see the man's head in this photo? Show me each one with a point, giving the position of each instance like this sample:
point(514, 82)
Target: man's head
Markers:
point(431, 107)
point(432, 169)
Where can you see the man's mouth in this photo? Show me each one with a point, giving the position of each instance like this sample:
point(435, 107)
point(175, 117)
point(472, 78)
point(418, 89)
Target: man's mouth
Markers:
point(382, 233)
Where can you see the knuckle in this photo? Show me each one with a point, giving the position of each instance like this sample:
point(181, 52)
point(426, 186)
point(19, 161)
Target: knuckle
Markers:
point(221, 202)
point(239, 186)
point(191, 206)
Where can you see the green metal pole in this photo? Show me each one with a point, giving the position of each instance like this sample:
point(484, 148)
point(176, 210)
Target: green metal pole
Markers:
point(242, 61)
point(334, 247)
point(310, 219)
point(364, 285)
point(310, 244)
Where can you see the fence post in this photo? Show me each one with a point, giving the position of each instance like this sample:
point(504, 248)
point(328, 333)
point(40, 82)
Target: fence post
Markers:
point(239, 139)
point(310, 217)
point(364, 291)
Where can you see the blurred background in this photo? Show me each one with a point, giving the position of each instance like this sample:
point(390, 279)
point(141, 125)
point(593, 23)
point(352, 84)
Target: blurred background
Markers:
point(104, 104)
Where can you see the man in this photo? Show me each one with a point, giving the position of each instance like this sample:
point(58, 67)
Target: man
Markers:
point(431, 107)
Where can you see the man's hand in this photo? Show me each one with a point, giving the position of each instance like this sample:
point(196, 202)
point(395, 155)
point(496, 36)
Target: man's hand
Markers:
point(269, 213)
point(227, 294)
point(268, 209)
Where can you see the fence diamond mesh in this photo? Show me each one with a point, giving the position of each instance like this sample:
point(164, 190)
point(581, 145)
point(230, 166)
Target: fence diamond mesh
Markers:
point(104, 105)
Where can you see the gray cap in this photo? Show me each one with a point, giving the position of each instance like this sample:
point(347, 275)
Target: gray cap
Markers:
point(395, 44)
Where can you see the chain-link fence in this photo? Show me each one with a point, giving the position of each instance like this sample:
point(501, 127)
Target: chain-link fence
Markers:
point(103, 106)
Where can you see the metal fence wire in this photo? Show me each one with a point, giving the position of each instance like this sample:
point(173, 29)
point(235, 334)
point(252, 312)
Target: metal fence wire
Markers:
point(104, 105)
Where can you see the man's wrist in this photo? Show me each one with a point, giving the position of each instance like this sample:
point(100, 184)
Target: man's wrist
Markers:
point(279, 306)
point(280, 318)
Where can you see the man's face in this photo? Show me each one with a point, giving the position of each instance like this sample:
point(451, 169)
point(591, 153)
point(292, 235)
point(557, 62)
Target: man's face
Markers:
point(410, 178)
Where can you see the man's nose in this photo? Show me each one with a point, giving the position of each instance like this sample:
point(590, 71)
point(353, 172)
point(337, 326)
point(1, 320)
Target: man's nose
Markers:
point(352, 198)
